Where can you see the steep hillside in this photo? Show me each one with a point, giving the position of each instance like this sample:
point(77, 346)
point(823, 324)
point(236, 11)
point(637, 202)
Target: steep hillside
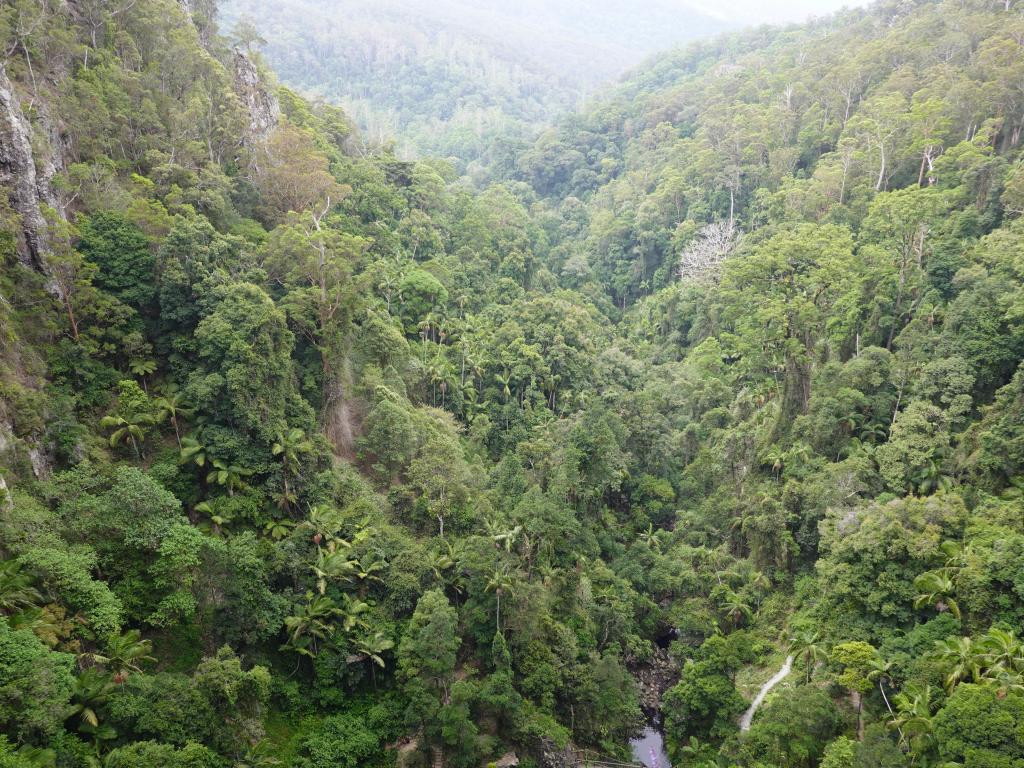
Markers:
point(312, 456)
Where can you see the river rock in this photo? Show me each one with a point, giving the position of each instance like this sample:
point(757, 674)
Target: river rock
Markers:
point(654, 677)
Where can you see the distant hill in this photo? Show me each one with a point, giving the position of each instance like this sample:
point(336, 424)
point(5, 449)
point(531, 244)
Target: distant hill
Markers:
point(445, 76)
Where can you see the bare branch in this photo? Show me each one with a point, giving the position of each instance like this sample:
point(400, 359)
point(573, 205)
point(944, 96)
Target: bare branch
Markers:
point(703, 256)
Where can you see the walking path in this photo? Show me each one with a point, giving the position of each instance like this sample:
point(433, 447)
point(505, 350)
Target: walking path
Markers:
point(748, 716)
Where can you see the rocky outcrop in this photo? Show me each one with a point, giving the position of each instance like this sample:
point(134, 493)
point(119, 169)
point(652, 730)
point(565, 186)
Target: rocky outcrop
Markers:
point(552, 756)
point(654, 677)
point(18, 175)
point(261, 104)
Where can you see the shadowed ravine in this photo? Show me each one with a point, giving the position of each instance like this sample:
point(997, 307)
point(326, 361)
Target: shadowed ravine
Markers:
point(779, 676)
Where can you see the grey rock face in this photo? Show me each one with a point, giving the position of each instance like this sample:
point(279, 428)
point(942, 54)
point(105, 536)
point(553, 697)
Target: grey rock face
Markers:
point(18, 175)
point(262, 105)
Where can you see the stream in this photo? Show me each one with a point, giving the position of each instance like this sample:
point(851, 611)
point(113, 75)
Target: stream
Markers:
point(748, 716)
point(649, 749)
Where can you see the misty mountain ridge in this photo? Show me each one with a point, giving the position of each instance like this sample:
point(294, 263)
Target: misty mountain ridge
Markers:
point(443, 76)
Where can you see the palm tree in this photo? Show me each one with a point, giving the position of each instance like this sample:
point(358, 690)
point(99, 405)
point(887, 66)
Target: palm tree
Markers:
point(959, 554)
point(125, 653)
point(913, 720)
point(310, 625)
point(650, 539)
point(874, 432)
point(192, 451)
point(805, 645)
point(799, 454)
point(502, 536)
point(218, 520)
point(505, 381)
point(142, 367)
point(16, 590)
point(440, 561)
point(775, 458)
point(935, 588)
point(325, 522)
point(127, 429)
point(499, 582)
point(99, 734)
point(734, 608)
point(332, 563)
point(350, 612)
point(881, 671)
point(37, 757)
point(290, 446)
point(962, 659)
point(48, 624)
point(371, 648)
point(366, 570)
point(931, 477)
point(169, 407)
point(1003, 680)
point(278, 529)
point(860, 448)
point(257, 757)
point(1002, 648)
point(231, 476)
point(91, 690)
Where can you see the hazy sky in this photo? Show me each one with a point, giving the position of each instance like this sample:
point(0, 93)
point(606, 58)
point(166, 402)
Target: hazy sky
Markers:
point(770, 11)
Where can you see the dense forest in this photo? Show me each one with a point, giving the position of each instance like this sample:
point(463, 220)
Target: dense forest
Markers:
point(313, 456)
point(458, 77)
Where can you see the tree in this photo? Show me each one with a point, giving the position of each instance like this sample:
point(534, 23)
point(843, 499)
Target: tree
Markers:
point(913, 720)
point(192, 451)
point(16, 588)
point(978, 724)
point(289, 447)
point(936, 588)
point(734, 607)
point(793, 729)
point(170, 406)
point(36, 687)
point(963, 660)
point(857, 661)
point(311, 625)
point(128, 429)
point(341, 741)
point(293, 175)
point(246, 34)
point(314, 262)
point(124, 653)
point(806, 645)
point(499, 582)
point(702, 258)
point(244, 378)
point(151, 754)
point(121, 252)
point(230, 476)
point(91, 692)
point(426, 662)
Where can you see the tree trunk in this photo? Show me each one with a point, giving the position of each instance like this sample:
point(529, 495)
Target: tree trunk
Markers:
point(336, 418)
point(858, 702)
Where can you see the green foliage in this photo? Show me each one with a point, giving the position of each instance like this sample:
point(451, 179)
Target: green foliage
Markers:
point(977, 720)
point(726, 361)
point(35, 685)
point(793, 730)
point(151, 753)
point(341, 740)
